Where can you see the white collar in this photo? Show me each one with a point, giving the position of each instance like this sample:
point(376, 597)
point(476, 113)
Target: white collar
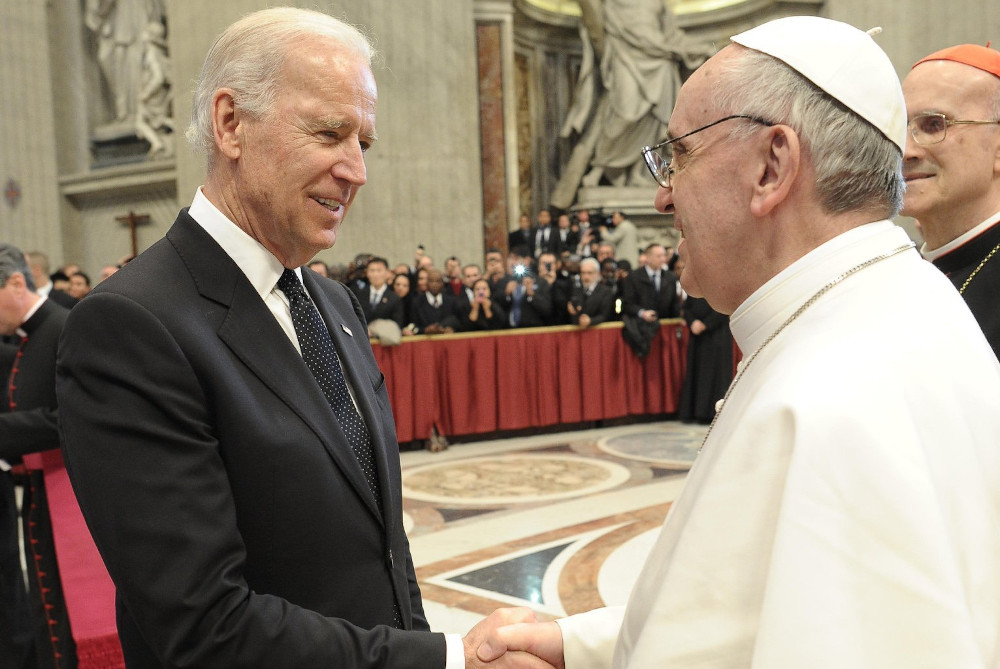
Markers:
point(31, 312)
point(257, 263)
point(934, 254)
point(774, 302)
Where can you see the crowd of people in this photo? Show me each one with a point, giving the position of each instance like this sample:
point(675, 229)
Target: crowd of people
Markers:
point(514, 289)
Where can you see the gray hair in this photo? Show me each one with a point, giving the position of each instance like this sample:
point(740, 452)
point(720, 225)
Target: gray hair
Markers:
point(11, 262)
point(857, 167)
point(591, 262)
point(248, 56)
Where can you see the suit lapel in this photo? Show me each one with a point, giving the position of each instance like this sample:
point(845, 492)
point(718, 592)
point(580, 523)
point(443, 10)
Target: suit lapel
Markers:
point(251, 332)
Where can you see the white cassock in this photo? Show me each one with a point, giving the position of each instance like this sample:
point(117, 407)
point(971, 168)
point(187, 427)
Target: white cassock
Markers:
point(845, 511)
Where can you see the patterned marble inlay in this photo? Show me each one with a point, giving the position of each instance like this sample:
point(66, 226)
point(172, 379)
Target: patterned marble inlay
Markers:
point(511, 479)
point(676, 448)
point(520, 577)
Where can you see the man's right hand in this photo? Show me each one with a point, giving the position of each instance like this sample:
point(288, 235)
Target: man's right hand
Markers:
point(502, 650)
point(522, 644)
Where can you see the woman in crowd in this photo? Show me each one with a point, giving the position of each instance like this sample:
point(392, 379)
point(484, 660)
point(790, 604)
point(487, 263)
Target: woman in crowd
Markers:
point(484, 313)
point(401, 286)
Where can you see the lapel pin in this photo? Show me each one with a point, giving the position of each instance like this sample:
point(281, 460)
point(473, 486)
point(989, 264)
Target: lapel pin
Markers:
point(347, 330)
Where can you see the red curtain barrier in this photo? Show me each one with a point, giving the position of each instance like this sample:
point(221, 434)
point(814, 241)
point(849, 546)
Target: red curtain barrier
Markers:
point(515, 379)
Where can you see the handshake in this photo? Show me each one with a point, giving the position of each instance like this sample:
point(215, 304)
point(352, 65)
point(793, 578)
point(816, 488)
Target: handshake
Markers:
point(513, 638)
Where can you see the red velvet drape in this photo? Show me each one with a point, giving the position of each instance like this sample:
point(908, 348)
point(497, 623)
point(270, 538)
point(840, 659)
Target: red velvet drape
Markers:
point(517, 379)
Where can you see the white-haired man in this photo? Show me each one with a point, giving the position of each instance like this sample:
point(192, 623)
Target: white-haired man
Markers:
point(844, 510)
point(230, 438)
point(591, 301)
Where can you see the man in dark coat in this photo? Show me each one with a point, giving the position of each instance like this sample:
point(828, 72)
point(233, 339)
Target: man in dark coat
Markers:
point(591, 302)
point(378, 300)
point(226, 427)
point(31, 634)
point(651, 291)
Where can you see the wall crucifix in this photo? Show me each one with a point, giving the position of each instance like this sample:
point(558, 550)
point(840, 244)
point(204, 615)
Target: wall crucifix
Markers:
point(133, 220)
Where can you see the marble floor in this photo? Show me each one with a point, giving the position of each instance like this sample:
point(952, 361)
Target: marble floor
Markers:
point(560, 523)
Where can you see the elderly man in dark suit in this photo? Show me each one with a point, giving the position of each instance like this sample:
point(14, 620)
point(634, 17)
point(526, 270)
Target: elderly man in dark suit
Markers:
point(28, 424)
point(591, 301)
point(230, 437)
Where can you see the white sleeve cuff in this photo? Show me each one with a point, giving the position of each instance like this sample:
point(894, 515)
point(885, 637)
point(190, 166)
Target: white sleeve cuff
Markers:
point(455, 652)
point(589, 638)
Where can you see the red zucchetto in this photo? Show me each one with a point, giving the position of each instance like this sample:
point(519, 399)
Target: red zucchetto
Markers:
point(980, 57)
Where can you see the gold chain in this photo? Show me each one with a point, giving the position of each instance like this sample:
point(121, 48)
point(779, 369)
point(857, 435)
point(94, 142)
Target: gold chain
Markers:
point(961, 291)
point(808, 303)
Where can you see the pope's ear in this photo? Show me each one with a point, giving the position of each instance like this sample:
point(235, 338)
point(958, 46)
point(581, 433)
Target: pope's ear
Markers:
point(227, 120)
point(782, 154)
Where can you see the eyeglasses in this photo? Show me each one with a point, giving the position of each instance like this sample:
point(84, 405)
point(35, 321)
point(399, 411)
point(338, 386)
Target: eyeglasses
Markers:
point(927, 129)
point(659, 158)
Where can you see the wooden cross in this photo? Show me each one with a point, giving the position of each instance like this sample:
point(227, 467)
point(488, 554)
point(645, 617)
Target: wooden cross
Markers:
point(133, 220)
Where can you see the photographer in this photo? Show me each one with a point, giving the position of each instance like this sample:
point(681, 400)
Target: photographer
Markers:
point(482, 312)
point(527, 298)
point(560, 287)
point(624, 235)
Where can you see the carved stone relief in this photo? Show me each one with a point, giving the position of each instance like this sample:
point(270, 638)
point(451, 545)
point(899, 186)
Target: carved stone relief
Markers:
point(132, 57)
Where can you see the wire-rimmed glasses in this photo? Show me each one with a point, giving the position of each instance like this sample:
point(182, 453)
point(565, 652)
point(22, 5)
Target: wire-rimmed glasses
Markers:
point(931, 127)
point(659, 157)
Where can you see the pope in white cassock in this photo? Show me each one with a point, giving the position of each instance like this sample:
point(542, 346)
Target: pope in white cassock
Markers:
point(845, 509)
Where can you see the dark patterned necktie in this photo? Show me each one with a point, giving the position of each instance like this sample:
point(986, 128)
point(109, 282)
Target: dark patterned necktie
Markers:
point(321, 357)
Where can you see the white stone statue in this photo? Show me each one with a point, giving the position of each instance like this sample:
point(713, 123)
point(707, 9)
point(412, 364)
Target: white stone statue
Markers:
point(626, 103)
point(119, 26)
point(153, 120)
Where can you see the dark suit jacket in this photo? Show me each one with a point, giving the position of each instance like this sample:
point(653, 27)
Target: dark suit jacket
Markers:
point(535, 311)
point(446, 315)
point(640, 293)
point(539, 246)
point(389, 307)
point(572, 241)
point(62, 299)
point(520, 237)
point(220, 489)
point(597, 305)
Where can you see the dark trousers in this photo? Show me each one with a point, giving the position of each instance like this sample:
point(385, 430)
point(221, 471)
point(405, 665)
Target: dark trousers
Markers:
point(17, 646)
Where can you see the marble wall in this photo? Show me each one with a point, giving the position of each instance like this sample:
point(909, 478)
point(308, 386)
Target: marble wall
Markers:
point(425, 176)
point(29, 208)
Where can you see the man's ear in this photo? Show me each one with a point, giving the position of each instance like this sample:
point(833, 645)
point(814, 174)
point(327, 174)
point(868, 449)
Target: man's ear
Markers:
point(783, 159)
point(17, 281)
point(227, 124)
